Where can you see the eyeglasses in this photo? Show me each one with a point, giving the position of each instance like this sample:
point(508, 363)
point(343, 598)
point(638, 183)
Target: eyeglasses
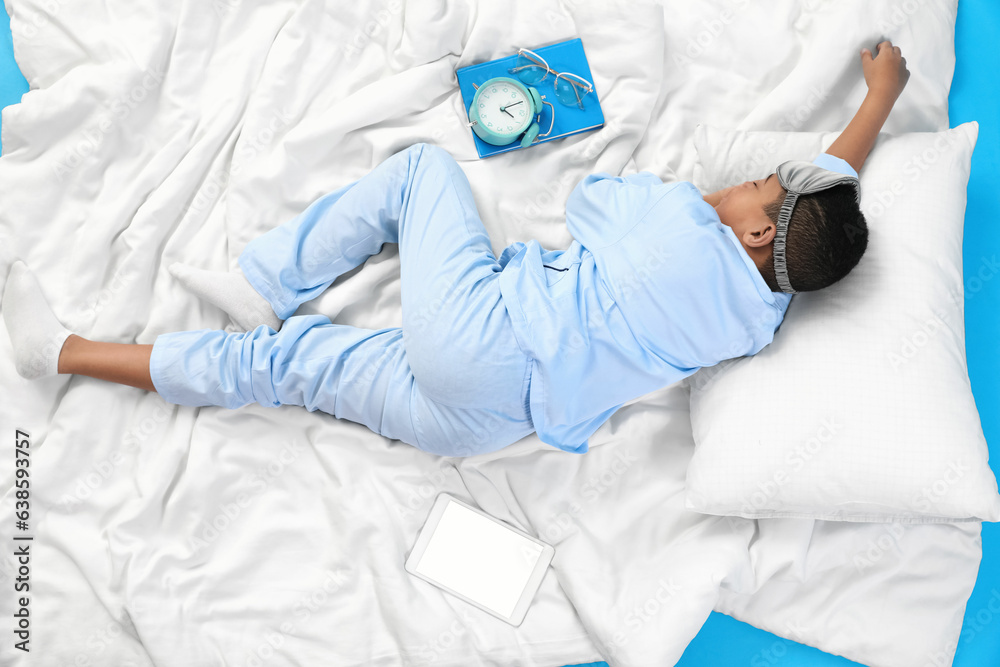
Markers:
point(531, 68)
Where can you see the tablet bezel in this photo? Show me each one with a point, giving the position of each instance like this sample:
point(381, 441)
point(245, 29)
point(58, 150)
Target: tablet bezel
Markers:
point(534, 579)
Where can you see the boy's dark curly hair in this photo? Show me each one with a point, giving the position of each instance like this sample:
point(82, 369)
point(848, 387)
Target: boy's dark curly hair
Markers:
point(827, 235)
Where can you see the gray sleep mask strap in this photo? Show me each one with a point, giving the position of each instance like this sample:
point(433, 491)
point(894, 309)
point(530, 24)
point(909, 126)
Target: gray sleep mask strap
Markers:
point(780, 268)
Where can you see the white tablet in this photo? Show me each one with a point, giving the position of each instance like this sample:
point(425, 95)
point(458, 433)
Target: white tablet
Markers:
point(481, 560)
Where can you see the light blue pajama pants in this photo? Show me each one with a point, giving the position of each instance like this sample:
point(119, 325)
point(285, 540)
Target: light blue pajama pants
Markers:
point(451, 381)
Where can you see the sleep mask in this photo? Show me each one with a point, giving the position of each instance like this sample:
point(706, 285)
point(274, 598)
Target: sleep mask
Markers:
point(801, 178)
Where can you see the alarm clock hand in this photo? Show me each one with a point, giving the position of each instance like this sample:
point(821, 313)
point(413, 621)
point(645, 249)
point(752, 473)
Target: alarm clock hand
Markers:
point(504, 109)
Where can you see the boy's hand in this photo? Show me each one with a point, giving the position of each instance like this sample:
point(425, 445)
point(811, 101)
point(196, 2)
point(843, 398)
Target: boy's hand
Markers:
point(886, 76)
point(886, 73)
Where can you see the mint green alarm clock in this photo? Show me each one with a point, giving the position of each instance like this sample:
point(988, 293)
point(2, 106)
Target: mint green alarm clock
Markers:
point(504, 109)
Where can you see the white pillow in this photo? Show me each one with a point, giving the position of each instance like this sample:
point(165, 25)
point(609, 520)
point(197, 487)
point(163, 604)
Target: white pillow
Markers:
point(861, 408)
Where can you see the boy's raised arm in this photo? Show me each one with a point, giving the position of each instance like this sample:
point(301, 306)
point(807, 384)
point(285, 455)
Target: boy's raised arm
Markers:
point(886, 76)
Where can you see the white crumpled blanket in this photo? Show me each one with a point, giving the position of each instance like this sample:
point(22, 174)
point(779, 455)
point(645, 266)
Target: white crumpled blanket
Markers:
point(157, 132)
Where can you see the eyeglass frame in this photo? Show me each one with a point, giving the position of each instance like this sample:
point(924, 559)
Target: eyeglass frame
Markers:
point(579, 99)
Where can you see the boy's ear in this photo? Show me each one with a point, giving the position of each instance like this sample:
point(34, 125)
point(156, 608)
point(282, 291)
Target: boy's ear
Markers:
point(761, 233)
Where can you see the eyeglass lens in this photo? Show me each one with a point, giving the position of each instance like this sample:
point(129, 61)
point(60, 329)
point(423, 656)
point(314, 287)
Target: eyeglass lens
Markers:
point(571, 89)
point(530, 69)
point(571, 92)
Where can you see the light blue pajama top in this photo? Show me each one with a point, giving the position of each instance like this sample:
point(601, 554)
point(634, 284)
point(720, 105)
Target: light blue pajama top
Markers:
point(652, 288)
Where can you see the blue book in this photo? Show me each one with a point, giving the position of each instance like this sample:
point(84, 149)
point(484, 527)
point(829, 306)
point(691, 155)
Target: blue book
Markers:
point(565, 56)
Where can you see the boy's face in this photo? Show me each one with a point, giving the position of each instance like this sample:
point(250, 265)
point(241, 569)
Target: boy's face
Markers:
point(742, 209)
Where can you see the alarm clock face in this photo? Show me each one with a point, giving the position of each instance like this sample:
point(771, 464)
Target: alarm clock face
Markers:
point(504, 109)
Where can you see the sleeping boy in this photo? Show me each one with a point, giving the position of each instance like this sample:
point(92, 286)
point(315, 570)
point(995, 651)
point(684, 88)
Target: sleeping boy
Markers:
point(658, 282)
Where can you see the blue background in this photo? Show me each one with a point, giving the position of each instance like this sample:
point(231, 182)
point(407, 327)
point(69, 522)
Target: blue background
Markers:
point(975, 95)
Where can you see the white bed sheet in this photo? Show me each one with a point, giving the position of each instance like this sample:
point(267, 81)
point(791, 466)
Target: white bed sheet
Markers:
point(178, 131)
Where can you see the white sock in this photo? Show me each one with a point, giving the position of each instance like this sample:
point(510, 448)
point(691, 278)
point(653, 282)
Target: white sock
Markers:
point(231, 292)
point(35, 332)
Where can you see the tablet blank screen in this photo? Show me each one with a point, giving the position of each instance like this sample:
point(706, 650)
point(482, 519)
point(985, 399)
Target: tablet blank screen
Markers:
point(479, 558)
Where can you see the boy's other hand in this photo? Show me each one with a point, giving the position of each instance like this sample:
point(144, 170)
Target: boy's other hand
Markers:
point(885, 73)
point(886, 76)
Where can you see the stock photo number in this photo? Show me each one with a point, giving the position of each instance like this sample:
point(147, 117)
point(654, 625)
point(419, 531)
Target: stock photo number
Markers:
point(22, 552)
